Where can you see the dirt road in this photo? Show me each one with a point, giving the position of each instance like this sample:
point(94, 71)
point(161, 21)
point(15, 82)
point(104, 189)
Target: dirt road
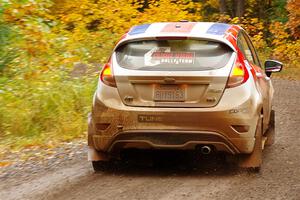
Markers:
point(172, 178)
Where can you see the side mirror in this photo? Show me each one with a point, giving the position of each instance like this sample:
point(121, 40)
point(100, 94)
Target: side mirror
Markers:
point(272, 66)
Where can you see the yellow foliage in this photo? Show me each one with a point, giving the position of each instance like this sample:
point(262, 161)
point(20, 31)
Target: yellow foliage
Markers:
point(254, 28)
point(168, 10)
point(213, 3)
point(279, 31)
point(285, 48)
point(119, 16)
point(293, 7)
point(85, 30)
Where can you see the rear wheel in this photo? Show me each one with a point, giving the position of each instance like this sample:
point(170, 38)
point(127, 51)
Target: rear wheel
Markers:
point(271, 130)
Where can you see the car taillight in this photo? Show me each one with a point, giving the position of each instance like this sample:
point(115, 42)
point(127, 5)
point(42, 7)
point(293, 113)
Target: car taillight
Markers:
point(238, 75)
point(107, 76)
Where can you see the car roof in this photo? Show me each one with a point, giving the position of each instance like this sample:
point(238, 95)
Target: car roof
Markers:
point(221, 32)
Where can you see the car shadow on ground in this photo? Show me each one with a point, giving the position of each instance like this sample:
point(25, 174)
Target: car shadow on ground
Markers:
point(172, 163)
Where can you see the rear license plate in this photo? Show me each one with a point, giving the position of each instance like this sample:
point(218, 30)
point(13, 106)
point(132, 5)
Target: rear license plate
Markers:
point(169, 93)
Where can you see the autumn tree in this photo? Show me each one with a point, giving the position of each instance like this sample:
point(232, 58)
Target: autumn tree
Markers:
point(236, 8)
point(293, 7)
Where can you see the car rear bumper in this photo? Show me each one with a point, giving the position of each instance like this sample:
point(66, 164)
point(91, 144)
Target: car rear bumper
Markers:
point(114, 130)
point(230, 126)
point(170, 139)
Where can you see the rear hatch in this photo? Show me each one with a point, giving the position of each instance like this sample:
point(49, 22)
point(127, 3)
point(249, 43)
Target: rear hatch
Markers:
point(172, 72)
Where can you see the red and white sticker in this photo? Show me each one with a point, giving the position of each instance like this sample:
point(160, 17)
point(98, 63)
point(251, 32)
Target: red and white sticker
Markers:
point(163, 55)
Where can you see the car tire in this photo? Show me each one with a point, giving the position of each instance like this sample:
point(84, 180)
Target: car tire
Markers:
point(100, 166)
point(271, 130)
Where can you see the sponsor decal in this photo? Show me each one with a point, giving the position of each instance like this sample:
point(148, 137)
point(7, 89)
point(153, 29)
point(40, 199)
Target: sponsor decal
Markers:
point(149, 118)
point(139, 29)
point(163, 55)
point(217, 29)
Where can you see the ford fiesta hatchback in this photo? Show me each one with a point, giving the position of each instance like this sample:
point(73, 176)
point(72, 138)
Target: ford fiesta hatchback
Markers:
point(185, 85)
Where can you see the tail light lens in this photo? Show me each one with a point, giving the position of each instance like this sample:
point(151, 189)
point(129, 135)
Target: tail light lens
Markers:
point(238, 75)
point(107, 76)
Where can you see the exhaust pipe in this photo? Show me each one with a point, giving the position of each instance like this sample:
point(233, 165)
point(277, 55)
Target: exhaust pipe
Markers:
point(205, 150)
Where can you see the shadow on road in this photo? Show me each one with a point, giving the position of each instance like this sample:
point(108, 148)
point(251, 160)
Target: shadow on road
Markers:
point(171, 163)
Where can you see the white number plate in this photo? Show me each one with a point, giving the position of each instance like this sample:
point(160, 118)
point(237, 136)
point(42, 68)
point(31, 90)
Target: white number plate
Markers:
point(169, 93)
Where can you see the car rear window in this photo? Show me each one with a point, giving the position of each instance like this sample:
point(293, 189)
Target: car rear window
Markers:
point(173, 55)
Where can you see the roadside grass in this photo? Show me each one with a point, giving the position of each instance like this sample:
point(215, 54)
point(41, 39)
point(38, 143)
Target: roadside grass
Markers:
point(290, 72)
point(45, 110)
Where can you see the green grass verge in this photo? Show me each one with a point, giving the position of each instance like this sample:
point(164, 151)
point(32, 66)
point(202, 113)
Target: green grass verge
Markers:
point(288, 72)
point(43, 110)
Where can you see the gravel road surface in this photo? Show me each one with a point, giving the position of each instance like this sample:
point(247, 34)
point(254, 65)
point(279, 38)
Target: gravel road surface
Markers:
point(173, 177)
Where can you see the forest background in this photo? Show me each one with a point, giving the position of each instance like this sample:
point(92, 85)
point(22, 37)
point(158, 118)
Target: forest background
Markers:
point(51, 52)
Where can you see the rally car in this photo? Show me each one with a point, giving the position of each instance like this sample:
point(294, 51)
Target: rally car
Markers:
point(183, 85)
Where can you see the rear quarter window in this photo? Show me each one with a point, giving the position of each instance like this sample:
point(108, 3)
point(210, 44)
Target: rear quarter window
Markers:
point(173, 55)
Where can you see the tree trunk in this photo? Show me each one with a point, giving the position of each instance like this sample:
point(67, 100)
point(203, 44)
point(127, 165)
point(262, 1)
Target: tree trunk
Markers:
point(240, 8)
point(223, 8)
point(269, 3)
point(262, 9)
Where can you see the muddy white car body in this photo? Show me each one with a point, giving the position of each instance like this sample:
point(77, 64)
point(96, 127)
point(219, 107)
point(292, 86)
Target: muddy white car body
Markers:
point(183, 85)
